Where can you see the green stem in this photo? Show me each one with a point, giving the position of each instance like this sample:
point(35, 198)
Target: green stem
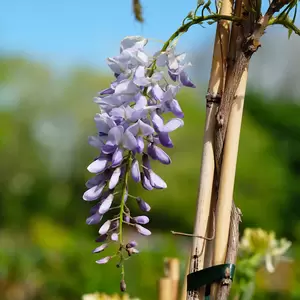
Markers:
point(185, 27)
point(286, 23)
point(122, 206)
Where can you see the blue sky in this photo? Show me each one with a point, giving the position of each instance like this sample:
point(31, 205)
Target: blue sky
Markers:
point(65, 32)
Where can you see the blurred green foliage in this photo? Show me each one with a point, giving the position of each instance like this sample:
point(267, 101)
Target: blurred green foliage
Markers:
point(45, 246)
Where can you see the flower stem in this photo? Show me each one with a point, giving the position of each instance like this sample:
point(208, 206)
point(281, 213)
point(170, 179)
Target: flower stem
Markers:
point(122, 206)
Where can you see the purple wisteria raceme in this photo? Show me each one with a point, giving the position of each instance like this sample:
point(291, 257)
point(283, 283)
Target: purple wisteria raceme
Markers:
point(131, 131)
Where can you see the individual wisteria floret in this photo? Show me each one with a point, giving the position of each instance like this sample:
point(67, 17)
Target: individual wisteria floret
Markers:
point(131, 132)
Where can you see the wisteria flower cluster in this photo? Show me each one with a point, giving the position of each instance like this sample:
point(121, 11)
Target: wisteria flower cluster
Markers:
point(131, 132)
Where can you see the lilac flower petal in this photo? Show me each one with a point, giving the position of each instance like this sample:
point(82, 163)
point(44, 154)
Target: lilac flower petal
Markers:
point(117, 157)
point(106, 204)
point(134, 128)
point(94, 193)
point(144, 206)
point(157, 121)
point(151, 152)
point(142, 230)
point(98, 165)
point(95, 208)
point(126, 87)
point(140, 78)
point(100, 248)
point(107, 91)
point(127, 218)
point(114, 178)
point(140, 144)
point(156, 181)
point(105, 227)
point(94, 219)
point(101, 238)
point(160, 155)
point(176, 109)
point(131, 244)
point(95, 180)
point(165, 140)
point(141, 219)
point(115, 135)
point(161, 60)
point(146, 182)
point(172, 75)
point(145, 128)
point(135, 171)
point(114, 225)
point(109, 148)
point(185, 80)
point(157, 92)
point(103, 260)
point(172, 125)
point(114, 237)
point(140, 101)
point(135, 42)
point(129, 141)
point(95, 141)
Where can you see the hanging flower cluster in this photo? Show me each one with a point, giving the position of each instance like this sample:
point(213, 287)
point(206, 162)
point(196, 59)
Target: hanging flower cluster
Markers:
point(131, 132)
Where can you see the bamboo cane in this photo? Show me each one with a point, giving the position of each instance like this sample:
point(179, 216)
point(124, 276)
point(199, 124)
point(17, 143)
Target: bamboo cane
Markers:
point(215, 89)
point(168, 285)
point(225, 208)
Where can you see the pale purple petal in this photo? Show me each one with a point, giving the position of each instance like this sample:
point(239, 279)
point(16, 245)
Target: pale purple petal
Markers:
point(114, 237)
point(109, 148)
point(114, 178)
point(142, 230)
point(117, 157)
point(140, 144)
point(172, 75)
point(114, 225)
point(94, 193)
point(107, 91)
point(159, 154)
point(127, 218)
point(134, 128)
point(106, 204)
point(146, 165)
point(95, 141)
point(151, 152)
point(129, 141)
point(141, 219)
point(145, 128)
point(98, 165)
point(172, 125)
point(161, 60)
point(103, 260)
point(131, 244)
point(157, 121)
point(115, 134)
point(146, 182)
point(94, 219)
point(126, 87)
point(165, 140)
point(100, 248)
point(95, 180)
point(139, 77)
point(135, 42)
point(176, 109)
point(140, 101)
point(105, 227)
point(101, 238)
point(135, 171)
point(157, 92)
point(144, 206)
point(185, 80)
point(156, 181)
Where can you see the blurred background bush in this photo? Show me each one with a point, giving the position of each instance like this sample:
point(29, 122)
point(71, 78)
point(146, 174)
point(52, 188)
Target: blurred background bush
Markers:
point(45, 118)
